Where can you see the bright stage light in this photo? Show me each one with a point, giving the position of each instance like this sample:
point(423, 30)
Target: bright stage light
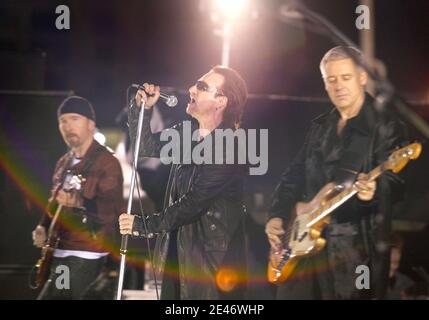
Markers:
point(230, 8)
point(226, 15)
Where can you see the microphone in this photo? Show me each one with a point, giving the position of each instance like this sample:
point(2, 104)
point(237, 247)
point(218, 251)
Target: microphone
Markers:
point(169, 100)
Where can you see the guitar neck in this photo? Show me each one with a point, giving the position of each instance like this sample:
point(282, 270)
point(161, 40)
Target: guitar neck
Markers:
point(54, 221)
point(342, 197)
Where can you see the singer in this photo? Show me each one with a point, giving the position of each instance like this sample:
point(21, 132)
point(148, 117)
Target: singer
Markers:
point(200, 233)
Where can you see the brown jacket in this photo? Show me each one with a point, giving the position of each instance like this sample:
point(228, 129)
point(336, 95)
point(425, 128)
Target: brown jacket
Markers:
point(95, 228)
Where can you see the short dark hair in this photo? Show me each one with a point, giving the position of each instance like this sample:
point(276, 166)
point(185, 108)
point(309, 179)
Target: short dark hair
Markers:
point(235, 89)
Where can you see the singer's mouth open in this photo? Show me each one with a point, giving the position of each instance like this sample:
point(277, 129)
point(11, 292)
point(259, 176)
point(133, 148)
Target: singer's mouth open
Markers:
point(192, 100)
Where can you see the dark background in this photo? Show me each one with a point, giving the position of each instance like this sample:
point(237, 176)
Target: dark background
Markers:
point(114, 43)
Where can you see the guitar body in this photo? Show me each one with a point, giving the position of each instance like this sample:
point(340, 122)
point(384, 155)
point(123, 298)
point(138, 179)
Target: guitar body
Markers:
point(302, 239)
point(303, 234)
point(43, 265)
point(41, 270)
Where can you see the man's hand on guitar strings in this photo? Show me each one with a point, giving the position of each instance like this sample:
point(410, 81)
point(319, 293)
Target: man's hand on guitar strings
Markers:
point(366, 189)
point(274, 229)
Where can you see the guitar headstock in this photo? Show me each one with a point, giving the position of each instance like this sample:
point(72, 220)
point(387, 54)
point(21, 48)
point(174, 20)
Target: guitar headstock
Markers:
point(399, 158)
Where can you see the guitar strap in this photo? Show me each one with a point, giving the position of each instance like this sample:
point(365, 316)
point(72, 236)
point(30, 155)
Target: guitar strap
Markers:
point(89, 162)
point(68, 164)
point(62, 173)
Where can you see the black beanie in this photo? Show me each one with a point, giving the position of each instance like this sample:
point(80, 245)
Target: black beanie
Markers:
point(76, 104)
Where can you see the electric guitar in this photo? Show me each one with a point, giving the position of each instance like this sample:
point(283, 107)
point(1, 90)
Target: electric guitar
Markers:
point(42, 267)
point(303, 234)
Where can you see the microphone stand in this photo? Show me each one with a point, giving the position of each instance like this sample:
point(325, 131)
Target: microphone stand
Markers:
point(385, 90)
point(124, 241)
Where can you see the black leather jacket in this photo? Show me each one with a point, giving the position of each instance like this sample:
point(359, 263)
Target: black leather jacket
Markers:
point(374, 138)
point(203, 214)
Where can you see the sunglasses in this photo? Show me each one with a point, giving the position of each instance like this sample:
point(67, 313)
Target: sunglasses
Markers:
point(203, 86)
